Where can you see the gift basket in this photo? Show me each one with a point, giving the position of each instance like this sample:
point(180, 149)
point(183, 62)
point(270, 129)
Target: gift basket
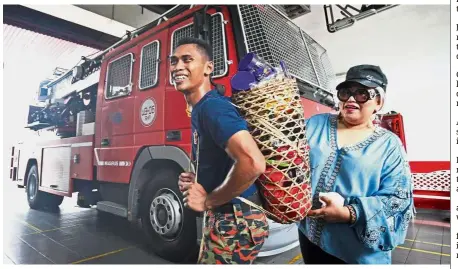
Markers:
point(268, 98)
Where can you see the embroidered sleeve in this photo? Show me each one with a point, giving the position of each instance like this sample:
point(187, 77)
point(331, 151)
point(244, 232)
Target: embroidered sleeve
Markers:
point(383, 218)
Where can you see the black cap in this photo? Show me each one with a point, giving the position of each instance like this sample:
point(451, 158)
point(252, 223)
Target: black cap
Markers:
point(367, 75)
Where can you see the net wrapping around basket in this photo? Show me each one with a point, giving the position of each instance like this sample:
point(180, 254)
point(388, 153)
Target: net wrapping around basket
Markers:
point(275, 117)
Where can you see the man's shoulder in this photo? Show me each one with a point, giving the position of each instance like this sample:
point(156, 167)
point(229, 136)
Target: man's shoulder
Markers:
point(217, 100)
point(221, 119)
point(217, 105)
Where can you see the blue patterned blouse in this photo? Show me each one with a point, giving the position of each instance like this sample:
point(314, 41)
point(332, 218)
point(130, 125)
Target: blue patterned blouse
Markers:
point(374, 177)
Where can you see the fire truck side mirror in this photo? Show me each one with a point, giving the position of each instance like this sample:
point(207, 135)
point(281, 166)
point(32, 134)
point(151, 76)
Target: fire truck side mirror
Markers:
point(220, 88)
point(196, 25)
point(202, 26)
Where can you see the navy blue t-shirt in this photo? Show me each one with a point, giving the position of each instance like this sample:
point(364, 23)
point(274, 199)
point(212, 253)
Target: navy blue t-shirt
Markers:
point(214, 120)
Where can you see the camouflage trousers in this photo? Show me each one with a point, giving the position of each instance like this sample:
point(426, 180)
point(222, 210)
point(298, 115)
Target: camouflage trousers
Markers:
point(233, 238)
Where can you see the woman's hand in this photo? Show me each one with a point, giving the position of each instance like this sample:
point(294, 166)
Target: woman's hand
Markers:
point(331, 212)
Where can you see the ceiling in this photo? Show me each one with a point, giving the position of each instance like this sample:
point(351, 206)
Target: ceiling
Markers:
point(30, 19)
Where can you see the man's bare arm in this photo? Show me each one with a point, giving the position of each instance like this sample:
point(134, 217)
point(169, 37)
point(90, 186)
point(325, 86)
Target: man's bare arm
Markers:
point(249, 165)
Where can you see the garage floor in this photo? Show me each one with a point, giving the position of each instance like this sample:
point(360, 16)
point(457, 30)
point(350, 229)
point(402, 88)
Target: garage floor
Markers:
point(76, 235)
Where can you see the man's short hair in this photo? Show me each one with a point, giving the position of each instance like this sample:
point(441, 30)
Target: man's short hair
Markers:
point(203, 46)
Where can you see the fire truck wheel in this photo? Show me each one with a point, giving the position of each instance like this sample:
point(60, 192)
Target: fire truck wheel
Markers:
point(36, 198)
point(170, 228)
point(82, 201)
point(53, 200)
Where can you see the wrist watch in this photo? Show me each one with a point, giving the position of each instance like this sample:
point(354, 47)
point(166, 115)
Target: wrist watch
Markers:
point(352, 213)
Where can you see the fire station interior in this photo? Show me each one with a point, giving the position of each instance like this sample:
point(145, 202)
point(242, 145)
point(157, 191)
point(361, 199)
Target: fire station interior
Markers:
point(45, 45)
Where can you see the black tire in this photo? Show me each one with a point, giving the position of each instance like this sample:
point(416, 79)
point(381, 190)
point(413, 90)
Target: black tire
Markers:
point(54, 200)
point(38, 199)
point(181, 246)
point(35, 197)
point(82, 201)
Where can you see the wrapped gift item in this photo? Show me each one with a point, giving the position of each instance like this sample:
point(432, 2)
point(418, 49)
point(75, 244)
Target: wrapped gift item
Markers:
point(273, 110)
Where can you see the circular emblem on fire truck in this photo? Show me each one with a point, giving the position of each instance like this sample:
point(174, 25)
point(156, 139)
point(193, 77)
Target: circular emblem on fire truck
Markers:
point(148, 112)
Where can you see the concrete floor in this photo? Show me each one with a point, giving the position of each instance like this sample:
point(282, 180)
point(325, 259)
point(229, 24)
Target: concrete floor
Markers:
point(76, 235)
point(427, 242)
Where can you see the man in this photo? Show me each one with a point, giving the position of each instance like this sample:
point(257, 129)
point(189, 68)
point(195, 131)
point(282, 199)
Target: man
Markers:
point(228, 162)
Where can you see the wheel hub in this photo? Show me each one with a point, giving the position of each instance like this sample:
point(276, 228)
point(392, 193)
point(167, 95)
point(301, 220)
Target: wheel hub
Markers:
point(166, 213)
point(32, 187)
point(162, 215)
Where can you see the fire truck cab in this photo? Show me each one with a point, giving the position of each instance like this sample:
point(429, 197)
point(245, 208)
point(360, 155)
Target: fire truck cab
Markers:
point(118, 132)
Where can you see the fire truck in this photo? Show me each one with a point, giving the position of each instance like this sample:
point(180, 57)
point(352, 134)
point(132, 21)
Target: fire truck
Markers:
point(116, 132)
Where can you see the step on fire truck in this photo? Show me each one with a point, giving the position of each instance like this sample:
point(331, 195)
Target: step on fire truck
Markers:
point(121, 133)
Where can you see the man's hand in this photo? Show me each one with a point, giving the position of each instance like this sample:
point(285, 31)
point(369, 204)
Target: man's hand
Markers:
point(185, 179)
point(331, 212)
point(195, 197)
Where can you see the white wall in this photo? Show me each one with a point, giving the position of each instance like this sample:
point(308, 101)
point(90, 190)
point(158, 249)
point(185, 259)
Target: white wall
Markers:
point(131, 15)
point(411, 45)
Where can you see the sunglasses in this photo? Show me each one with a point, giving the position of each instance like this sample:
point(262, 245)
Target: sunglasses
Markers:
point(360, 95)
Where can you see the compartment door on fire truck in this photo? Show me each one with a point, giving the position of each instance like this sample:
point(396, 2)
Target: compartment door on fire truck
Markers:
point(115, 141)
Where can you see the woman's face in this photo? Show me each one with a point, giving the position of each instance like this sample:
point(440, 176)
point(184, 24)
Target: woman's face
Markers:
point(356, 113)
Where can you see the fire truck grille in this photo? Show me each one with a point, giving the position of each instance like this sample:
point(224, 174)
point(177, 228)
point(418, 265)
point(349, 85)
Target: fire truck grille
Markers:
point(182, 33)
point(119, 76)
point(218, 46)
point(321, 61)
point(218, 40)
point(272, 36)
point(149, 65)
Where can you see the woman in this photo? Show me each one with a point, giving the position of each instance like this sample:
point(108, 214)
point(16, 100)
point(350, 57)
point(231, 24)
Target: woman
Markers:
point(364, 164)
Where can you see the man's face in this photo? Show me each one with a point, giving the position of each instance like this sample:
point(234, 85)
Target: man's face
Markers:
point(189, 68)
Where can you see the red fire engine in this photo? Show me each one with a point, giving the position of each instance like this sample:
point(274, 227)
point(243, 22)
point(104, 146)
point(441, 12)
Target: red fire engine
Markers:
point(121, 134)
point(121, 131)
